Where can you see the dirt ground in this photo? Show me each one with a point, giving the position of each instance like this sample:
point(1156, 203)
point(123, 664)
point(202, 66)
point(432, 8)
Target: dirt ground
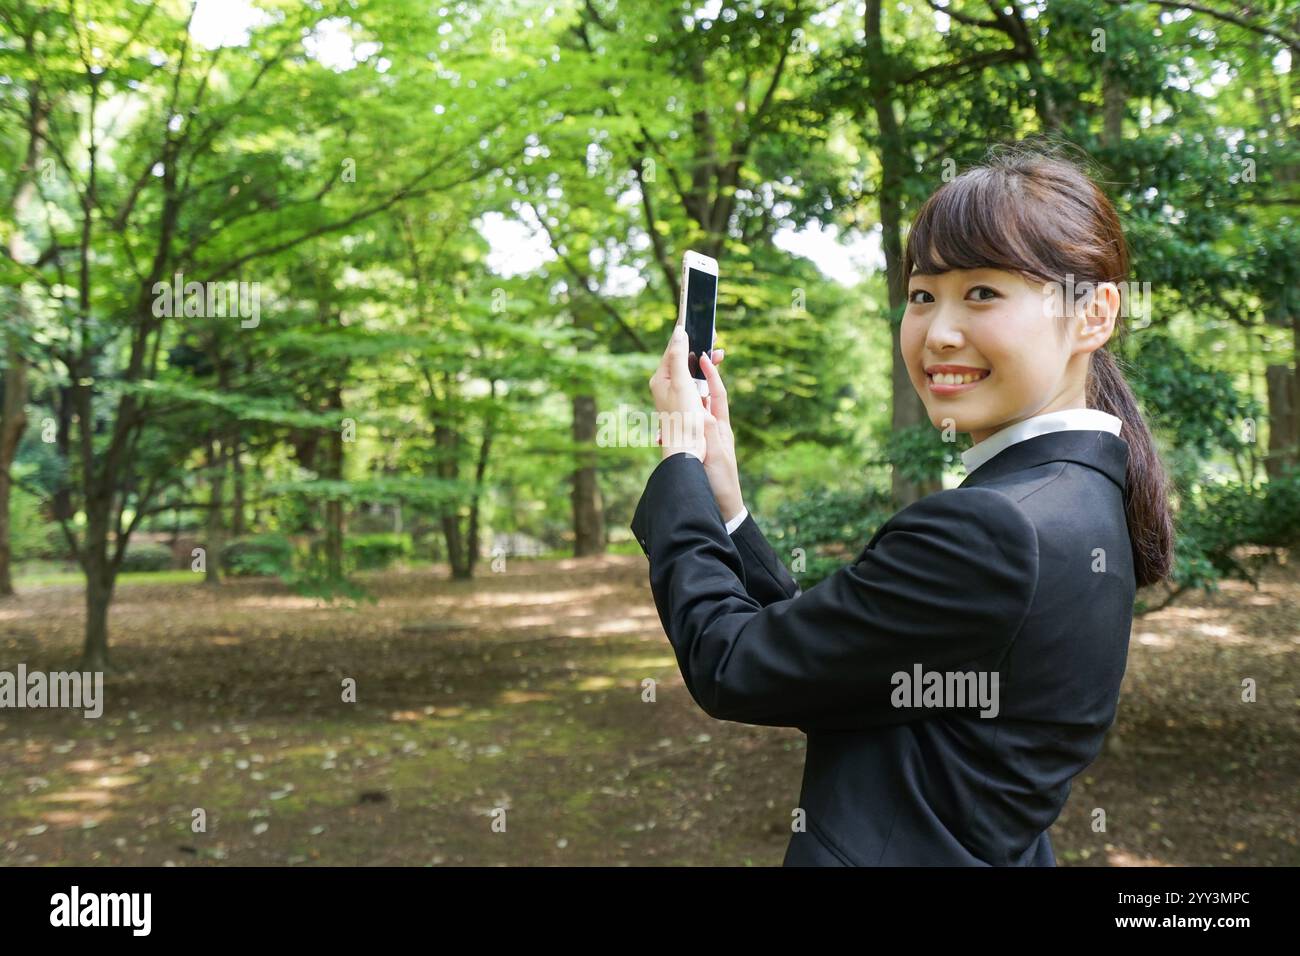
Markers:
point(501, 722)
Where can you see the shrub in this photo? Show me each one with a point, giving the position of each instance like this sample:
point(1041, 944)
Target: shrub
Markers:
point(31, 536)
point(261, 555)
point(146, 557)
point(370, 552)
point(830, 527)
point(1218, 519)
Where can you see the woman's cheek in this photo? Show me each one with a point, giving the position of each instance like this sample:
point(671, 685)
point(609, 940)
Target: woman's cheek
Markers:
point(909, 343)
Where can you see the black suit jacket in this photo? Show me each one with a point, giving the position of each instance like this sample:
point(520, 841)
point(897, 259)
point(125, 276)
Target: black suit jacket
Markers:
point(1024, 571)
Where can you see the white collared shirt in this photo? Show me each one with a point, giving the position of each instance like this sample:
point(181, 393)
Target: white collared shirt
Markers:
point(737, 521)
point(1067, 419)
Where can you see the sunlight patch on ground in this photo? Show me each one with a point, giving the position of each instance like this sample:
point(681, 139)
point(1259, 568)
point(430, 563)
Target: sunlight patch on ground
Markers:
point(1224, 635)
point(536, 620)
point(98, 797)
point(287, 602)
point(1155, 640)
point(627, 626)
point(1118, 857)
point(1177, 613)
point(448, 713)
point(407, 716)
point(648, 663)
point(113, 782)
point(85, 766)
point(74, 819)
point(522, 697)
point(534, 599)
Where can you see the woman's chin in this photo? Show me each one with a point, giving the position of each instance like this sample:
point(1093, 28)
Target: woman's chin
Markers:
point(966, 420)
point(946, 421)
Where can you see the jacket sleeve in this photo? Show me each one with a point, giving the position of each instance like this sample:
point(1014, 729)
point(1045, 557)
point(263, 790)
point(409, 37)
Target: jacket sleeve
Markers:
point(944, 586)
point(766, 578)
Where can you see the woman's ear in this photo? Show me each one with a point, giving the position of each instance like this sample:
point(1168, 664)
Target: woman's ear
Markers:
point(1096, 316)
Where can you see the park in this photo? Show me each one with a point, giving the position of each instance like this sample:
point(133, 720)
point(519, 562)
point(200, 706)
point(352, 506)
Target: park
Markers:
point(324, 409)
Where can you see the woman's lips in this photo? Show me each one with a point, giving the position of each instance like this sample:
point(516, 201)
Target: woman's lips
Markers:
point(944, 390)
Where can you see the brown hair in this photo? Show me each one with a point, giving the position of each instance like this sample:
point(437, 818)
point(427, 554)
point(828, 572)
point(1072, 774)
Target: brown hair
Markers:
point(1028, 209)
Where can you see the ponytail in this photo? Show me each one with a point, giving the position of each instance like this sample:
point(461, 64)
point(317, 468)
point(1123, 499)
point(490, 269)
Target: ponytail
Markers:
point(1146, 495)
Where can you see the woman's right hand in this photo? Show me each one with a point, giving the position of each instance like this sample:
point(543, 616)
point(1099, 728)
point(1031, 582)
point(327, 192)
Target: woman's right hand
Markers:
point(720, 459)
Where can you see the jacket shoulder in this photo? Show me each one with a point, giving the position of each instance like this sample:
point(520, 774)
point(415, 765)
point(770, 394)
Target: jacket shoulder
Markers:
point(981, 512)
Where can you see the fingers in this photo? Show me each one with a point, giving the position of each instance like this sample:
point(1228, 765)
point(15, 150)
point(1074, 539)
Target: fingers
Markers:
point(710, 431)
point(678, 333)
point(675, 354)
point(717, 391)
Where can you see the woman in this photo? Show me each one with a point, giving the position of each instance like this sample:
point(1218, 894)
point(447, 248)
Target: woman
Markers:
point(965, 667)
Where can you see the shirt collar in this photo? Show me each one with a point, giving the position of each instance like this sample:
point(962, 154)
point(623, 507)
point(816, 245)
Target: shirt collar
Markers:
point(1067, 419)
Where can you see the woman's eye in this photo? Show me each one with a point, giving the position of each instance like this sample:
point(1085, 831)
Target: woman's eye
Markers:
point(992, 294)
point(912, 296)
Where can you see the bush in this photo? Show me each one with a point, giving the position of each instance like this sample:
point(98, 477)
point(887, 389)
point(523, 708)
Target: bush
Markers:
point(31, 536)
point(372, 552)
point(830, 527)
point(146, 557)
point(1218, 519)
point(260, 555)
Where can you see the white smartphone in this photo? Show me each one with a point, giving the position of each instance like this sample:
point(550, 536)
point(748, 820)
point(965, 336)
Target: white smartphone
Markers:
point(698, 311)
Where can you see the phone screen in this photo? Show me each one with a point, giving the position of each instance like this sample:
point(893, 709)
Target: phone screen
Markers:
point(701, 299)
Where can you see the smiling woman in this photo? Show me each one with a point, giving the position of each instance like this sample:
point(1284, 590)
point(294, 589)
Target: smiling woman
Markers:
point(1016, 270)
point(1021, 581)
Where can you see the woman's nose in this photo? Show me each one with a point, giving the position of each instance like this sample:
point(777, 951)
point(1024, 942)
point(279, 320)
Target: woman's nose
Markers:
point(942, 334)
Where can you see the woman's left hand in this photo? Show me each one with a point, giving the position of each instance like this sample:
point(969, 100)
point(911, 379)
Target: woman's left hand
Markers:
point(720, 462)
point(682, 413)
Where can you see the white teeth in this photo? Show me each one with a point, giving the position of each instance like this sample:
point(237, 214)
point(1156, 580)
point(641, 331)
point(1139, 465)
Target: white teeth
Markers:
point(949, 378)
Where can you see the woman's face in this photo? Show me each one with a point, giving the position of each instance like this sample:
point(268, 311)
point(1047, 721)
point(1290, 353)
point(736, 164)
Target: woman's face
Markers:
point(991, 324)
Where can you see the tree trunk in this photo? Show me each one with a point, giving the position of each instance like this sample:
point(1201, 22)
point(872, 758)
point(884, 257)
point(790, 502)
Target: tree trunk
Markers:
point(588, 510)
point(480, 469)
point(447, 467)
point(1283, 420)
point(237, 491)
point(446, 440)
point(215, 531)
point(334, 504)
point(100, 578)
point(61, 501)
point(1114, 97)
point(13, 406)
point(6, 553)
point(99, 597)
point(13, 421)
point(908, 409)
point(460, 569)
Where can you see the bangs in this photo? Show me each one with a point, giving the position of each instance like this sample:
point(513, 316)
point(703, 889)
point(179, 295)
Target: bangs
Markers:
point(984, 219)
